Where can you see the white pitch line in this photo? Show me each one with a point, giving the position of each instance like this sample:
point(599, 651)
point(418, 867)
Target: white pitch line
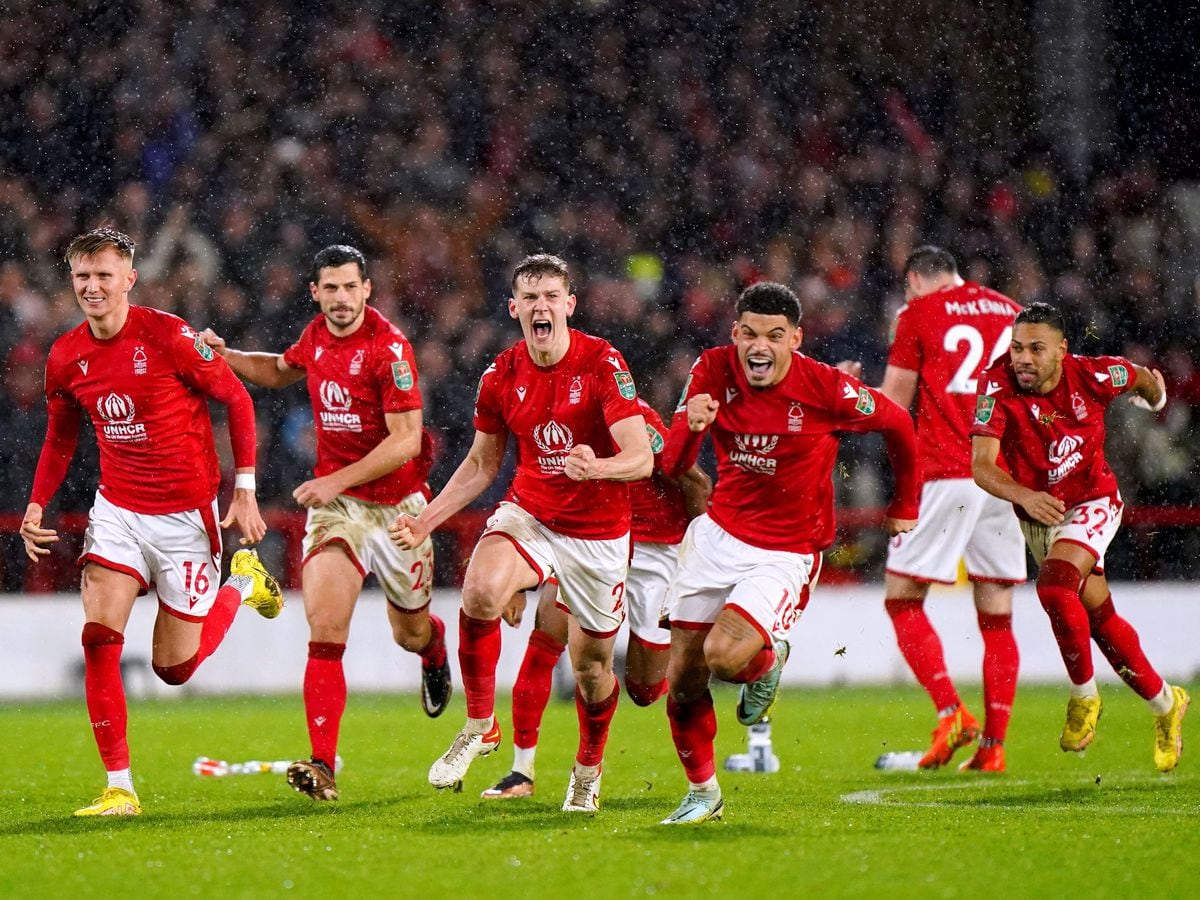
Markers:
point(882, 797)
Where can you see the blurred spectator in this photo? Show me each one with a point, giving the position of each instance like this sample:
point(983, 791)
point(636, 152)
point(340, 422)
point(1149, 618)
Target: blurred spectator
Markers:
point(675, 153)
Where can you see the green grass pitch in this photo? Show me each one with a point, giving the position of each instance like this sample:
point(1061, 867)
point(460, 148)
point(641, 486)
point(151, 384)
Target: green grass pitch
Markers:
point(1104, 824)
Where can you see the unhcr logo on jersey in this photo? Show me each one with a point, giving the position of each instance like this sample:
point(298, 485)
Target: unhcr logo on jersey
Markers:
point(117, 412)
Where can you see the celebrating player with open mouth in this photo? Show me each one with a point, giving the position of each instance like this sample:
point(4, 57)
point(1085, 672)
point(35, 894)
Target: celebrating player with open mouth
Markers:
point(570, 402)
point(1042, 408)
point(144, 378)
point(746, 566)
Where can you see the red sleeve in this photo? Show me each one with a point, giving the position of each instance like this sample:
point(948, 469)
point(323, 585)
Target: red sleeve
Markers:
point(905, 352)
point(62, 433)
point(617, 391)
point(297, 355)
point(489, 417)
point(396, 374)
point(991, 417)
point(207, 373)
point(859, 408)
point(1111, 376)
point(655, 431)
point(901, 438)
point(683, 444)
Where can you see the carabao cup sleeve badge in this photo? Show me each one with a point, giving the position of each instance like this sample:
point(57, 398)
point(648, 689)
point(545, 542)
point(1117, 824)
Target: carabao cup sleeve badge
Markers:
point(402, 375)
point(984, 407)
point(625, 385)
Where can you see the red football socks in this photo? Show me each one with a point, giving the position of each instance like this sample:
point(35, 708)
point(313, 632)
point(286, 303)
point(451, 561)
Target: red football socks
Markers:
point(531, 693)
point(217, 622)
point(758, 666)
point(105, 693)
point(1120, 645)
point(434, 654)
point(324, 698)
point(594, 719)
point(1000, 663)
point(694, 729)
point(922, 650)
point(1058, 589)
point(478, 655)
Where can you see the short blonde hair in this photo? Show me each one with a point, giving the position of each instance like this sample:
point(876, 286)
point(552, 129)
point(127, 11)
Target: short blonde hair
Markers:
point(92, 242)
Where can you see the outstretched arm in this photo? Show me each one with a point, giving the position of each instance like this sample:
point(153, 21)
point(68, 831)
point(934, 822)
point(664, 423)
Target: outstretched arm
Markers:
point(1149, 389)
point(263, 369)
point(469, 480)
point(1041, 507)
point(243, 511)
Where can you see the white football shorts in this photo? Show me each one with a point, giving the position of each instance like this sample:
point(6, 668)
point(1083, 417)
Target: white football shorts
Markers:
point(179, 553)
point(960, 520)
point(1092, 525)
point(769, 588)
point(361, 529)
point(590, 574)
point(650, 573)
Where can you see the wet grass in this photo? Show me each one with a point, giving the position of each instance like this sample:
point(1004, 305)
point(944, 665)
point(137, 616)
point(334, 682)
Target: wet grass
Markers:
point(1102, 825)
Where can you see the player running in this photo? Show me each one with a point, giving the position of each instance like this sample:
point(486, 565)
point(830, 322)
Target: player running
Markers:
point(659, 511)
point(1043, 408)
point(569, 400)
point(744, 567)
point(947, 333)
point(372, 460)
point(144, 379)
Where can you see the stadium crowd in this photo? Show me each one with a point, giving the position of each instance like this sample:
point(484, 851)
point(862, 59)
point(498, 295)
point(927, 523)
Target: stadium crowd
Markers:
point(672, 156)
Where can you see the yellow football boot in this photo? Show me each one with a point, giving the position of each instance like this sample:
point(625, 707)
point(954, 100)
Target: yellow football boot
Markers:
point(113, 802)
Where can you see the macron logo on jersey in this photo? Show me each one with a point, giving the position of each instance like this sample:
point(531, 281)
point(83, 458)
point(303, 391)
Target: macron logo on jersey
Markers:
point(730, 393)
point(83, 366)
point(336, 415)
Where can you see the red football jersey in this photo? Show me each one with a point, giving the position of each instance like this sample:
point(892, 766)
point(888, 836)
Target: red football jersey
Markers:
point(549, 410)
point(352, 382)
point(146, 391)
point(776, 448)
point(657, 505)
point(948, 338)
point(1055, 442)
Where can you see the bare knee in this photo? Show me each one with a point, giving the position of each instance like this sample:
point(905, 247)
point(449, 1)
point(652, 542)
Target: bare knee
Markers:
point(327, 629)
point(592, 674)
point(479, 599)
point(725, 657)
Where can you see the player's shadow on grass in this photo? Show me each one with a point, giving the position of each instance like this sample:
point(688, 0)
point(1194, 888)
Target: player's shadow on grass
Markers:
point(164, 820)
point(540, 816)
